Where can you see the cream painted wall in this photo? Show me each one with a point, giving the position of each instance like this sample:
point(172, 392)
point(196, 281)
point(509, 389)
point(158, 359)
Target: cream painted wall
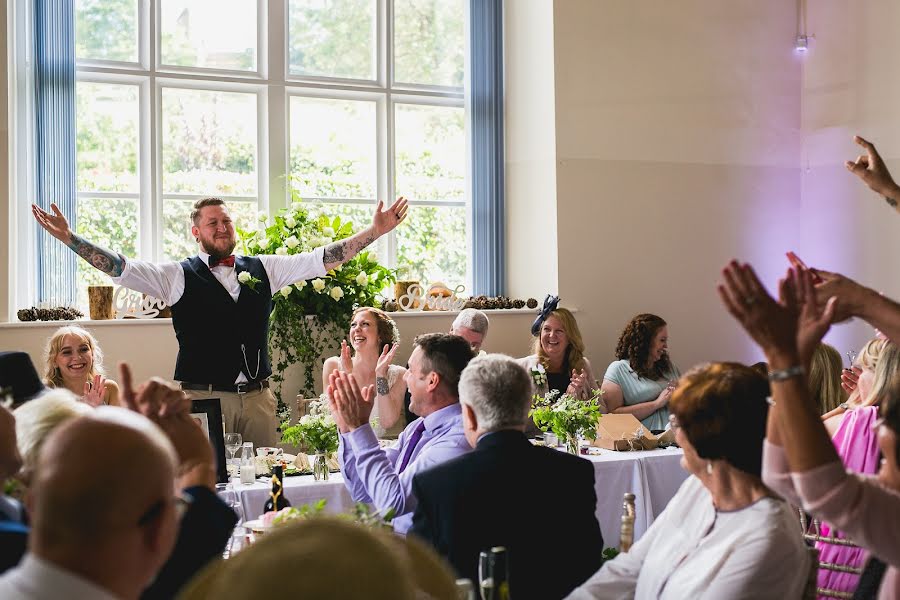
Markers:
point(678, 144)
point(850, 87)
point(532, 262)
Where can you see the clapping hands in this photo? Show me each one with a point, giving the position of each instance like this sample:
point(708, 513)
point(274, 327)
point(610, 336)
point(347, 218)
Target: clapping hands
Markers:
point(789, 328)
point(350, 405)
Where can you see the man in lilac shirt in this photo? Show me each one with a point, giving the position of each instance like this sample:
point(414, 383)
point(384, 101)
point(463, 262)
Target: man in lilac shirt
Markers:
point(383, 476)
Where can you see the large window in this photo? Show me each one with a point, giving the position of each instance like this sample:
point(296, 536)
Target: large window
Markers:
point(342, 101)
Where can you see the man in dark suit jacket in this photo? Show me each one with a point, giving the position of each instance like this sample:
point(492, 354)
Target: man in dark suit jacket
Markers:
point(537, 502)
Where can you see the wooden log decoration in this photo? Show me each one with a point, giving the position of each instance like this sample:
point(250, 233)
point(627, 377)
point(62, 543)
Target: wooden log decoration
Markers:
point(400, 289)
point(100, 298)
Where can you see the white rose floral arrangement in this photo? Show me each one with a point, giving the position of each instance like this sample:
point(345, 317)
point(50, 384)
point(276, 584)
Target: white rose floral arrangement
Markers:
point(309, 316)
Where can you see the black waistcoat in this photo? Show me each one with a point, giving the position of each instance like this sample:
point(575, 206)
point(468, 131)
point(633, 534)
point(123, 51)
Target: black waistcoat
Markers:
point(218, 337)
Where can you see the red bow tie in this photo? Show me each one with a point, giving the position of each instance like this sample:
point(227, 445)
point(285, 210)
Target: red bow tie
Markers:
point(228, 261)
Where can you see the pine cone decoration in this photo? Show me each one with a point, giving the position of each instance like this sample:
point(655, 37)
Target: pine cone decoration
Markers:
point(518, 303)
point(391, 306)
point(532, 303)
point(60, 313)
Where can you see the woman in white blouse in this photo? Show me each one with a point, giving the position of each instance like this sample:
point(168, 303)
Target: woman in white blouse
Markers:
point(724, 534)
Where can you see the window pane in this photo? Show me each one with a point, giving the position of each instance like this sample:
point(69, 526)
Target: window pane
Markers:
point(209, 142)
point(431, 152)
point(333, 148)
point(107, 137)
point(431, 245)
point(429, 45)
point(332, 38)
point(360, 215)
point(215, 34)
point(178, 243)
point(108, 222)
point(106, 30)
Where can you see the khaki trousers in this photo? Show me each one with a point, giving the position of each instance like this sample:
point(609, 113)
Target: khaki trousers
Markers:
point(252, 414)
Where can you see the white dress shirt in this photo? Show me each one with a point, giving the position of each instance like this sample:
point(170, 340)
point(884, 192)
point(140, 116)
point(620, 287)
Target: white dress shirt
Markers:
point(37, 579)
point(694, 551)
point(166, 280)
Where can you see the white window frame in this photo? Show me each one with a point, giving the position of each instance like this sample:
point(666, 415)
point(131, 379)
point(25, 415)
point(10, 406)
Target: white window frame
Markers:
point(274, 86)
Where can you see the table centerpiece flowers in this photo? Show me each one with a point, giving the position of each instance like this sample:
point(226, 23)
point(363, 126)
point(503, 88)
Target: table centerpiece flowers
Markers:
point(567, 416)
point(317, 433)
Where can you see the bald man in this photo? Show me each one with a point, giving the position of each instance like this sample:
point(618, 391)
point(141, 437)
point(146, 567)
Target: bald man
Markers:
point(105, 516)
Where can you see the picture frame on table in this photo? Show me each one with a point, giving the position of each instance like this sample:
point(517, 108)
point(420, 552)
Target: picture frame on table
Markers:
point(208, 414)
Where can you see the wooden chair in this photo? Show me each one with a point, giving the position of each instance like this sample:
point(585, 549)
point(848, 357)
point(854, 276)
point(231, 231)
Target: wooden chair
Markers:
point(812, 533)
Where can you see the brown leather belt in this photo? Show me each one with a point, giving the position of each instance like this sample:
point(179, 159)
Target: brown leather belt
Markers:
point(234, 388)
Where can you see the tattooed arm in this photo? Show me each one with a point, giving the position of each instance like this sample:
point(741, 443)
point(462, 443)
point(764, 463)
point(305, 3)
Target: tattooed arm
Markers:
point(384, 221)
point(100, 258)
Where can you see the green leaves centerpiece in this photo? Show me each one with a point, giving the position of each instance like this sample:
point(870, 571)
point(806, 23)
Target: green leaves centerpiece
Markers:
point(567, 416)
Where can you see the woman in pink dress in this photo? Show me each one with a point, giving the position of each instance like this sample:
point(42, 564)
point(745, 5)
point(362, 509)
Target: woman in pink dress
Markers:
point(856, 443)
point(799, 459)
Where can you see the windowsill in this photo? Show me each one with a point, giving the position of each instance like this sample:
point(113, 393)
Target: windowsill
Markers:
point(149, 322)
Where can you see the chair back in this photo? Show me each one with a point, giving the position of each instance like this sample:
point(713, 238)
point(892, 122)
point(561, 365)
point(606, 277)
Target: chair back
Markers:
point(812, 533)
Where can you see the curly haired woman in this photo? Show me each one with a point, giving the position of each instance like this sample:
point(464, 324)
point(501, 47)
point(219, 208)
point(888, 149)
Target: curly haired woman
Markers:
point(641, 380)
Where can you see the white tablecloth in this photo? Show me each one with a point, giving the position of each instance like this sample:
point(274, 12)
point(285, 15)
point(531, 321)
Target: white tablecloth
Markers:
point(298, 490)
point(653, 476)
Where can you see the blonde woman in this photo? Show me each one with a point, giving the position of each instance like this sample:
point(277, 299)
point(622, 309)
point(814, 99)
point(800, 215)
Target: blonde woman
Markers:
point(557, 361)
point(825, 378)
point(75, 362)
point(858, 383)
point(374, 339)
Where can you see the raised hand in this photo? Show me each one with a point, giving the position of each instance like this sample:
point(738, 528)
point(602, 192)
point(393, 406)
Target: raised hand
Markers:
point(387, 219)
point(386, 359)
point(849, 296)
point(55, 224)
point(346, 361)
point(169, 407)
point(95, 391)
point(813, 320)
point(775, 326)
point(872, 171)
point(850, 379)
point(352, 404)
point(577, 385)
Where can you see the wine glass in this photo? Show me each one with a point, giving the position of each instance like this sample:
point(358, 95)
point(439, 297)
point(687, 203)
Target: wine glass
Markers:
point(851, 356)
point(233, 443)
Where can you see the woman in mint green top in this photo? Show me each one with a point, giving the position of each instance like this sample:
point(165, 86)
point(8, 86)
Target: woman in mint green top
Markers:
point(641, 381)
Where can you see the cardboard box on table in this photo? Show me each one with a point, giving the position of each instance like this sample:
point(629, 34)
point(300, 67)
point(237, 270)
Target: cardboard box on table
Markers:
point(624, 432)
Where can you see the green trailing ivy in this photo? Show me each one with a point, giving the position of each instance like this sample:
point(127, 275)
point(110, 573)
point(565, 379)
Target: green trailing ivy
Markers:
point(311, 317)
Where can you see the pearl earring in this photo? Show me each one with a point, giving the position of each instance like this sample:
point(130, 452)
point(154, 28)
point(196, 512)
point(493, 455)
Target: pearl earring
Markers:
point(709, 468)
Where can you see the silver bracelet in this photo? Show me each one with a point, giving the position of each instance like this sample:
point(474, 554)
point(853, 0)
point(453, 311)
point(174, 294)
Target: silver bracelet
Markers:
point(381, 386)
point(785, 374)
